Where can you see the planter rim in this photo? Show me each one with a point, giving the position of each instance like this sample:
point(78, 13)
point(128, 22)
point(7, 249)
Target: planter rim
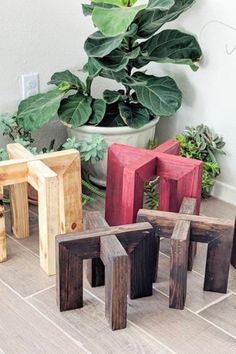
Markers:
point(115, 130)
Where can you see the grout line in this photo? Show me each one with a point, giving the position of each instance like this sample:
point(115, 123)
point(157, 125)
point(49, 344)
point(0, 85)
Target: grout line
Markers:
point(20, 244)
point(39, 292)
point(193, 271)
point(214, 302)
point(203, 318)
point(80, 345)
point(136, 326)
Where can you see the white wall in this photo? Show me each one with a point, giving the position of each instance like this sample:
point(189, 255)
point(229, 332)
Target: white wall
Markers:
point(209, 94)
point(47, 35)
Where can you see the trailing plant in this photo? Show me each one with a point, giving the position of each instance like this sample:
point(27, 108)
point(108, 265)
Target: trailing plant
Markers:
point(203, 144)
point(91, 149)
point(127, 38)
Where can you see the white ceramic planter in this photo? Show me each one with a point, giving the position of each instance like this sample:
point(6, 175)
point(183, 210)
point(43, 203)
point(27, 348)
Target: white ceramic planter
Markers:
point(122, 135)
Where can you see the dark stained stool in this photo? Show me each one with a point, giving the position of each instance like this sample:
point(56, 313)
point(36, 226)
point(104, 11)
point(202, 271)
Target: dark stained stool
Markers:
point(110, 244)
point(181, 229)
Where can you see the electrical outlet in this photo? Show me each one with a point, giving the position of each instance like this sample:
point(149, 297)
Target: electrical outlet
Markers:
point(30, 84)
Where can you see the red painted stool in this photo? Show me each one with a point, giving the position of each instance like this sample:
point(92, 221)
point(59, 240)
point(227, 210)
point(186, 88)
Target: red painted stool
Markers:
point(128, 170)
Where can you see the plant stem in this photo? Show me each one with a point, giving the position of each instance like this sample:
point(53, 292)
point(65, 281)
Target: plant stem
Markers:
point(89, 81)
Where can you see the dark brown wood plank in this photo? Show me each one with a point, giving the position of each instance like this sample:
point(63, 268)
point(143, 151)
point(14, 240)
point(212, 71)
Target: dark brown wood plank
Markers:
point(189, 206)
point(115, 259)
point(142, 267)
point(69, 279)
point(218, 262)
point(233, 255)
point(203, 229)
point(179, 264)
point(95, 268)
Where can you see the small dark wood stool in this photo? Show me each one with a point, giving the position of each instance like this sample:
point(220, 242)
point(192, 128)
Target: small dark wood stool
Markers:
point(181, 229)
point(110, 244)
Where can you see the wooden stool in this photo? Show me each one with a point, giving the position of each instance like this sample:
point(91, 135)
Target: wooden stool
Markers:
point(110, 244)
point(182, 228)
point(56, 177)
point(3, 250)
point(129, 168)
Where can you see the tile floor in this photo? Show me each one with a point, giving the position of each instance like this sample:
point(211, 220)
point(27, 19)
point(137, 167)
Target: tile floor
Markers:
point(31, 323)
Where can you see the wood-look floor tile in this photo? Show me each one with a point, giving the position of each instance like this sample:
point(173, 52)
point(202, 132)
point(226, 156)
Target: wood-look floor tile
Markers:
point(22, 272)
point(196, 297)
point(25, 330)
point(223, 314)
point(90, 327)
point(182, 331)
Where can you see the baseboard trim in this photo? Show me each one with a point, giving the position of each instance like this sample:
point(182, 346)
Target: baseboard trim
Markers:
point(224, 192)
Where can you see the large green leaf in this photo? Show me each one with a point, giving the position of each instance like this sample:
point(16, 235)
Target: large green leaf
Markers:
point(92, 67)
point(66, 77)
point(134, 115)
point(159, 94)
point(98, 45)
point(111, 96)
point(35, 111)
point(99, 110)
point(150, 20)
point(114, 61)
point(112, 117)
point(117, 76)
point(75, 110)
point(88, 8)
point(172, 46)
point(114, 21)
point(160, 4)
point(116, 2)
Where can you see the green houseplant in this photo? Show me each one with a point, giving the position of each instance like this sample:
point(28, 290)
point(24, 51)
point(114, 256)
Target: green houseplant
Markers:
point(203, 144)
point(127, 38)
point(199, 143)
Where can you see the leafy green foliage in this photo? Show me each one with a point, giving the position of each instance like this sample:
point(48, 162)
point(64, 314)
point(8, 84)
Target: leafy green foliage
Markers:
point(114, 21)
point(172, 46)
point(35, 111)
point(75, 110)
point(126, 39)
point(151, 197)
point(92, 149)
point(68, 78)
point(202, 144)
point(3, 155)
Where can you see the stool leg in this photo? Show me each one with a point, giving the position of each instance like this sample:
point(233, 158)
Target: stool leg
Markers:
point(218, 262)
point(179, 264)
point(70, 195)
point(49, 222)
point(3, 247)
point(116, 281)
point(69, 279)
point(20, 210)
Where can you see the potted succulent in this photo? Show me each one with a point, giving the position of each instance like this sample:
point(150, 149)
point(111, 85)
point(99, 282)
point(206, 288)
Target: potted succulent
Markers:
point(127, 38)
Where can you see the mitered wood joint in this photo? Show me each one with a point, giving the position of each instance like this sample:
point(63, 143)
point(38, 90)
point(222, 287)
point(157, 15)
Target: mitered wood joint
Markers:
point(110, 245)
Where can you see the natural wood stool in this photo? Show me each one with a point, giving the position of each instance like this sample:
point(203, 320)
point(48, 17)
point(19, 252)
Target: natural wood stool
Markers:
point(109, 244)
point(57, 178)
point(181, 228)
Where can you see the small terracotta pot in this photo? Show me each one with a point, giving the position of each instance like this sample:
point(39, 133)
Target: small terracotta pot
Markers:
point(32, 195)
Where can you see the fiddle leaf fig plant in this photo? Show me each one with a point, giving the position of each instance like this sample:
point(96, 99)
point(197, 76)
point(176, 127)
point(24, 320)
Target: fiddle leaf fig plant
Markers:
point(128, 37)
